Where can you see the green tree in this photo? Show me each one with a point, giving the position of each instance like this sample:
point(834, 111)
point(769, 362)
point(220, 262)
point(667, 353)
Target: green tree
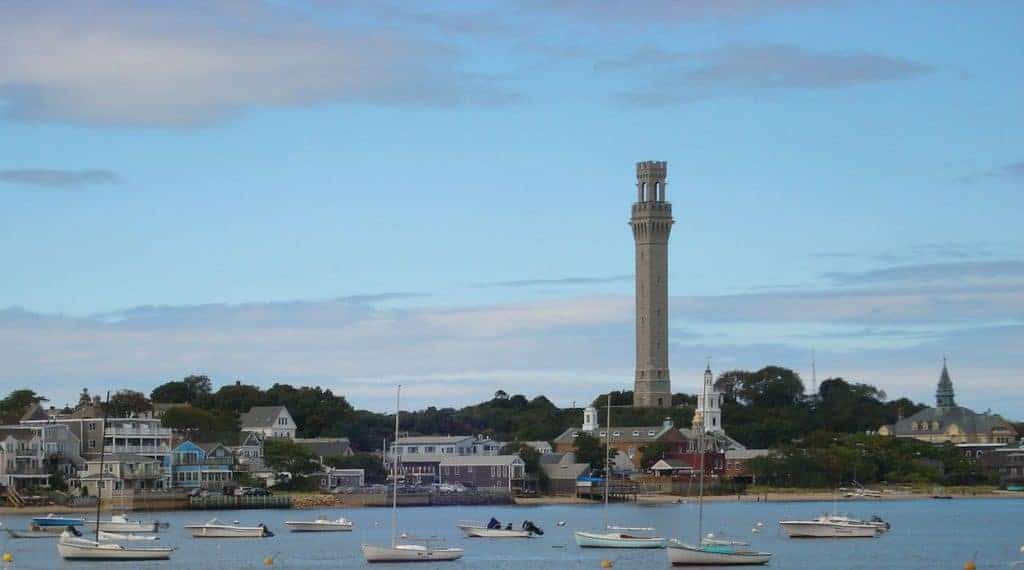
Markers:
point(282, 454)
point(202, 425)
point(185, 391)
point(124, 403)
point(589, 450)
point(14, 406)
point(651, 454)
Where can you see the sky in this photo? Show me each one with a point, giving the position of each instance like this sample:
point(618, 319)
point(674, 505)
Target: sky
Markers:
point(362, 194)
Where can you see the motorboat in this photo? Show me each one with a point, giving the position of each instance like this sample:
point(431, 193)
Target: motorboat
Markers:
point(72, 546)
point(217, 529)
point(121, 523)
point(474, 529)
point(321, 524)
point(714, 553)
point(875, 521)
point(617, 539)
point(405, 552)
point(59, 521)
point(823, 527)
point(410, 553)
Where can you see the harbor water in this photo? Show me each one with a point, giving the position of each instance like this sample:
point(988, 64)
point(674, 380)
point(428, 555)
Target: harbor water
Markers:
point(926, 535)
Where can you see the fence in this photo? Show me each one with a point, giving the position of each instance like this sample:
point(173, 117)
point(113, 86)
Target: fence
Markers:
point(230, 502)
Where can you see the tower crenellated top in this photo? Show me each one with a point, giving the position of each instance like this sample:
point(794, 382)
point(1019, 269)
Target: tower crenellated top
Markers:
point(650, 180)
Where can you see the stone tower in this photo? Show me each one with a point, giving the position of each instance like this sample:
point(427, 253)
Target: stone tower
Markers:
point(651, 222)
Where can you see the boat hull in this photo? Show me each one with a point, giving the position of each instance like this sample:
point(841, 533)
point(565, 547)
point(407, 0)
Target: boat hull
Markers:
point(87, 550)
point(31, 533)
point(228, 532)
point(300, 526)
point(799, 529)
point(617, 540)
point(57, 522)
point(113, 526)
point(483, 532)
point(684, 555)
point(409, 553)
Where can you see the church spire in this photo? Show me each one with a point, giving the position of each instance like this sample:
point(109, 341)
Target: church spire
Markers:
point(944, 393)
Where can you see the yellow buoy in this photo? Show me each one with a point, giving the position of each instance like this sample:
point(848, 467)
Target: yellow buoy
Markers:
point(607, 564)
point(970, 565)
point(8, 557)
point(268, 561)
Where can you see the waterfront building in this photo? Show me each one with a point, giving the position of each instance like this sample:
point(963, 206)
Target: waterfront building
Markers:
point(123, 474)
point(626, 441)
point(949, 423)
point(28, 452)
point(269, 421)
point(562, 471)
point(200, 465)
point(485, 472)
point(329, 478)
point(420, 455)
point(651, 222)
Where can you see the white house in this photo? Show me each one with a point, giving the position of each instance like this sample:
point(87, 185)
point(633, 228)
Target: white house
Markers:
point(269, 421)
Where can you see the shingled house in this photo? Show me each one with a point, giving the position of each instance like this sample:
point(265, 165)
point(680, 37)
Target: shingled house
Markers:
point(269, 421)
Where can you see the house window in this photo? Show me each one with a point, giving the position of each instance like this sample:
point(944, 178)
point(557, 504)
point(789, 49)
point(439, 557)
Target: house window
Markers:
point(412, 449)
point(636, 433)
point(92, 426)
point(428, 449)
point(651, 432)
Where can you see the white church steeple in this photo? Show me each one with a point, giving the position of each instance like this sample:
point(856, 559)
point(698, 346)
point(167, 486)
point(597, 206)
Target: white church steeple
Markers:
point(708, 417)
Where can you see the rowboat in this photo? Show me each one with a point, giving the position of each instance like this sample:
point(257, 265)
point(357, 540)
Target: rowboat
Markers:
point(31, 533)
point(72, 546)
point(321, 524)
point(216, 529)
point(617, 540)
point(680, 554)
point(410, 553)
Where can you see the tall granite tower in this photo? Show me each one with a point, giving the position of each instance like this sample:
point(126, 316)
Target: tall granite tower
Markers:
point(651, 222)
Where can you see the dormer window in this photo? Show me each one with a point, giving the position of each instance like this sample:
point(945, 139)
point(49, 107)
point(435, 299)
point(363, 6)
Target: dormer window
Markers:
point(636, 433)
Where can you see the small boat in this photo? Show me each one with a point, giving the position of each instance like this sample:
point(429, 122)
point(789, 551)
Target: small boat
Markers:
point(321, 524)
point(114, 536)
point(474, 529)
point(397, 552)
point(875, 521)
point(59, 521)
point(121, 523)
point(31, 533)
point(410, 553)
point(216, 529)
point(617, 540)
point(714, 554)
point(822, 527)
point(72, 546)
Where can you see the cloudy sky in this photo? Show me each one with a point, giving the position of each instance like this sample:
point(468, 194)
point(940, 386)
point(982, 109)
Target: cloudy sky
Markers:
point(356, 194)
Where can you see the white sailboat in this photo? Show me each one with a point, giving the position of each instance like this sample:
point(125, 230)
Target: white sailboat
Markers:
point(73, 546)
point(710, 551)
point(405, 552)
point(614, 536)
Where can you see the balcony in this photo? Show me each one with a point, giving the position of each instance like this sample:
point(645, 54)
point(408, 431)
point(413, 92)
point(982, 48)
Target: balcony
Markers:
point(138, 431)
point(138, 449)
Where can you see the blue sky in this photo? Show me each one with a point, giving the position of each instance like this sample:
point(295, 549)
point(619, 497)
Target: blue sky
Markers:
point(364, 193)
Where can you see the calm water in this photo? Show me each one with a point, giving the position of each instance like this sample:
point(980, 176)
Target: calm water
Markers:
point(926, 535)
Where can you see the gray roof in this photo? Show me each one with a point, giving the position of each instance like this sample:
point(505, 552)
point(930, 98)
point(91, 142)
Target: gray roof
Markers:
point(35, 412)
point(485, 460)
point(17, 432)
point(326, 446)
point(627, 434)
point(552, 458)
point(261, 416)
point(432, 439)
point(741, 454)
point(966, 419)
point(565, 470)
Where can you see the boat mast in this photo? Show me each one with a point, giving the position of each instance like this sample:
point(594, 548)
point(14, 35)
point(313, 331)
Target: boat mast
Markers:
point(607, 452)
point(103, 445)
point(700, 449)
point(394, 470)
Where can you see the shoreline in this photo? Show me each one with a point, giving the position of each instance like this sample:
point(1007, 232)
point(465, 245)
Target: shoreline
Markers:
point(770, 497)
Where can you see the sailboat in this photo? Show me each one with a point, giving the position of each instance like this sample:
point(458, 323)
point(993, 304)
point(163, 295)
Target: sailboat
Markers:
point(73, 546)
point(616, 536)
point(710, 551)
point(397, 552)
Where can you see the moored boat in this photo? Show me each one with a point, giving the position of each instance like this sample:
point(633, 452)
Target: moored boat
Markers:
point(822, 527)
point(59, 521)
point(410, 553)
point(217, 529)
point(121, 523)
point(114, 536)
point(72, 546)
point(475, 529)
point(708, 554)
point(321, 524)
point(31, 533)
point(617, 540)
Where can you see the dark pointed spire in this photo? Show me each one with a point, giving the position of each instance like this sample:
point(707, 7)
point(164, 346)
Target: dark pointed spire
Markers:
point(944, 393)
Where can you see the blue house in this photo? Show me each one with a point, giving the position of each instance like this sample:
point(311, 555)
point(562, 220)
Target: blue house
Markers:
point(201, 465)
